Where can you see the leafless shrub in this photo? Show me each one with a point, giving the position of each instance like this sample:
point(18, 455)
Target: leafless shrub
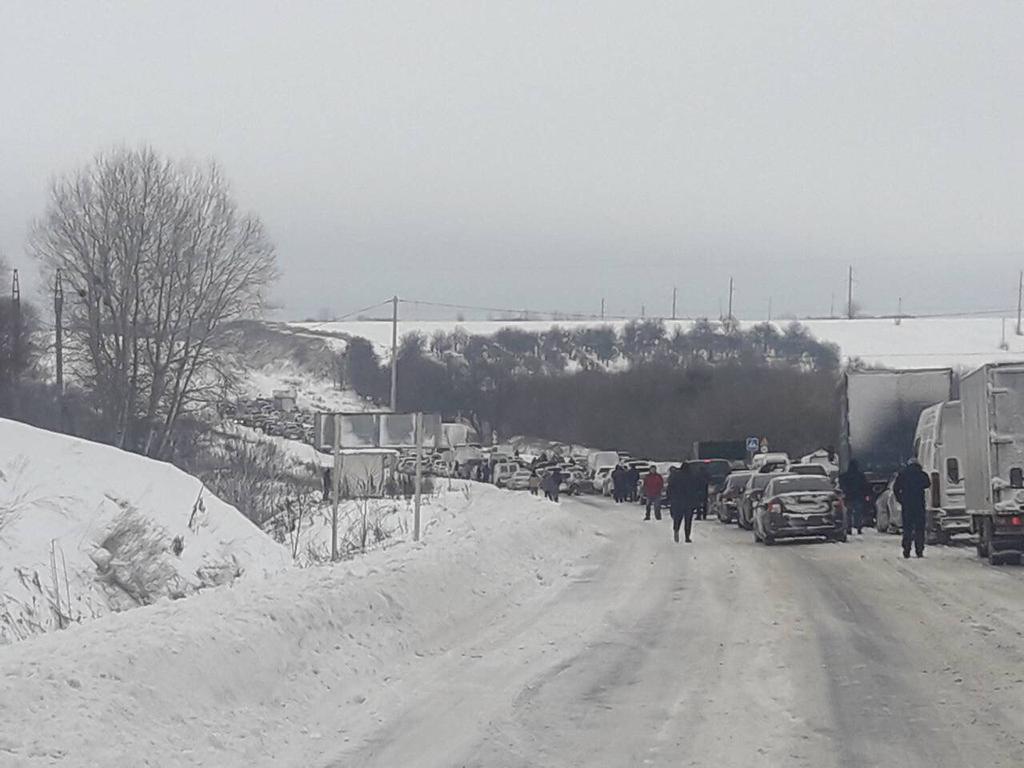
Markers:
point(139, 566)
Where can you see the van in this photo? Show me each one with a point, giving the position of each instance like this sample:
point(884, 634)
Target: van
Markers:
point(503, 472)
point(939, 447)
point(769, 462)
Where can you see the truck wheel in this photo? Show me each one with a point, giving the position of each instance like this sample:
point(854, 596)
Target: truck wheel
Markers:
point(996, 558)
point(768, 540)
point(840, 537)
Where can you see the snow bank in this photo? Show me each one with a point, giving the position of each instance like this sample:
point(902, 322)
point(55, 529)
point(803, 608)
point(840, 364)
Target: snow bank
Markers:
point(86, 529)
point(277, 671)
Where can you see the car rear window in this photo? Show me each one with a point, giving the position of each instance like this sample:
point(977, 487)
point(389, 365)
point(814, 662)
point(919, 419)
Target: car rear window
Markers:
point(759, 482)
point(737, 481)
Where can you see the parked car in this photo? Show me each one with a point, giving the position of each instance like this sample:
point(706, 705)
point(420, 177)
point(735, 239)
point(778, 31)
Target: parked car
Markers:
point(520, 481)
point(817, 470)
point(503, 471)
point(756, 484)
point(799, 506)
point(725, 503)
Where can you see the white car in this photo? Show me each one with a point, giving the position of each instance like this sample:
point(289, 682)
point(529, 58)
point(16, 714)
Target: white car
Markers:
point(520, 481)
point(503, 471)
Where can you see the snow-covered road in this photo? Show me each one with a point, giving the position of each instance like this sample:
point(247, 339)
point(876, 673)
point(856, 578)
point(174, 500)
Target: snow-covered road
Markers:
point(725, 653)
point(523, 634)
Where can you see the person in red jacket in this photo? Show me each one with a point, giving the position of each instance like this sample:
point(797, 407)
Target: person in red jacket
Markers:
point(653, 486)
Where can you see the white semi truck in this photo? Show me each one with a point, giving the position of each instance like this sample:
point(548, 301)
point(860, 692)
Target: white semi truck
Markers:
point(939, 445)
point(992, 398)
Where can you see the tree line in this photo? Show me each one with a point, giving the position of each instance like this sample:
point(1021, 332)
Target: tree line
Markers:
point(640, 388)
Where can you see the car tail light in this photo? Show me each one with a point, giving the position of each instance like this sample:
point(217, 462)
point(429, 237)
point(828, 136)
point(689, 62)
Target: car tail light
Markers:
point(1015, 520)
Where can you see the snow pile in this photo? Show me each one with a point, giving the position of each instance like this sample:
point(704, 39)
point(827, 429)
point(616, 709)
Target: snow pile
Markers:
point(278, 671)
point(86, 529)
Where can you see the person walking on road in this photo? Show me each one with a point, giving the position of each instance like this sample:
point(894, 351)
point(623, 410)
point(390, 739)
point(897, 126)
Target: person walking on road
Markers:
point(654, 483)
point(632, 483)
point(857, 493)
point(909, 488)
point(619, 483)
point(534, 482)
point(555, 479)
point(684, 488)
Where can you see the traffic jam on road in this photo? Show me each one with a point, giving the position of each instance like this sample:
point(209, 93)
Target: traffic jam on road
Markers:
point(959, 440)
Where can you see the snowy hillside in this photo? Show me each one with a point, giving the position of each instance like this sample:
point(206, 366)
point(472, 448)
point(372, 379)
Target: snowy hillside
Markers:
point(279, 672)
point(914, 343)
point(86, 529)
point(271, 356)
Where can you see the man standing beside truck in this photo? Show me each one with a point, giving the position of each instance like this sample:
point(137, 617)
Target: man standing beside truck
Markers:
point(909, 489)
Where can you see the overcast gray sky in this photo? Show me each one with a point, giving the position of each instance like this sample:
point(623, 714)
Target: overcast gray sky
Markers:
point(546, 154)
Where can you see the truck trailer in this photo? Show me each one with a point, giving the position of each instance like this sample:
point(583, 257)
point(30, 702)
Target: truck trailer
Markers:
point(879, 411)
point(992, 398)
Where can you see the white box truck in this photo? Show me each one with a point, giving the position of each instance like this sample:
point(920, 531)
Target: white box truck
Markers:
point(992, 399)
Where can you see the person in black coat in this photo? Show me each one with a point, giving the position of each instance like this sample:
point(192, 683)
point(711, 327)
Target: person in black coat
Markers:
point(684, 492)
point(856, 493)
point(909, 488)
point(619, 483)
point(632, 483)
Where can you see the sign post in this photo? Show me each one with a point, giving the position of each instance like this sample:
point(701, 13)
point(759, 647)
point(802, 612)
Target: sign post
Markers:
point(336, 471)
point(418, 437)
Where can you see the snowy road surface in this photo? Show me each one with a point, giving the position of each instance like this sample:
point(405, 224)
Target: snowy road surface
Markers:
point(726, 653)
point(523, 634)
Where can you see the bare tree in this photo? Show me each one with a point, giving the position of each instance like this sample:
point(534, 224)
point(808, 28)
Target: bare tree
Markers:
point(157, 259)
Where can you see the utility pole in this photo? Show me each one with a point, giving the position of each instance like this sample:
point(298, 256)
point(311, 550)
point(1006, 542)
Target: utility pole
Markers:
point(899, 310)
point(673, 302)
point(643, 311)
point(1020, 297)
point(15, 339)
point(58, 311)
point(730, 298)
point(602, 308)
point(394, 354)
point(832, 307)
point(769, 309)
point(849, 294)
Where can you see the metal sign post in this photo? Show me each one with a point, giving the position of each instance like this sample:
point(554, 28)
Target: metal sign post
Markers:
point(336, 471)
point(418, 437)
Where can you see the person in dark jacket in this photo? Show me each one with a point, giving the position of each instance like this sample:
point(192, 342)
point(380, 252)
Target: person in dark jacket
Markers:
point(632, 481)
point(654, 483)
point(856, 493)
point(684, 490)
point(555, 479)
point(909, 488)
point(619, 483)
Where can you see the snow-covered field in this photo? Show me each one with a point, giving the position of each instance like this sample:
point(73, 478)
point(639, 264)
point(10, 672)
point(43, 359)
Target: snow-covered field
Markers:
point(914, 343)
point(86, 529)
point(279, 671)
